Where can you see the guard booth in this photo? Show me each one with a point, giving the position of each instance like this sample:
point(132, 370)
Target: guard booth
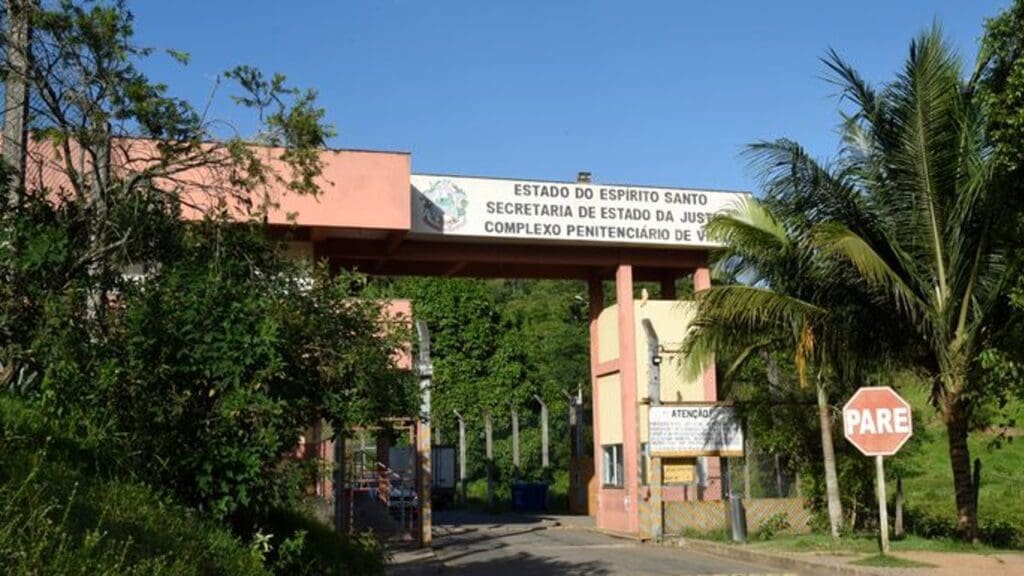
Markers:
point(633, 483)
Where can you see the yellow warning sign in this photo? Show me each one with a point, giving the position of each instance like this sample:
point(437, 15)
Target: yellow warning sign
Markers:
point(678, 470)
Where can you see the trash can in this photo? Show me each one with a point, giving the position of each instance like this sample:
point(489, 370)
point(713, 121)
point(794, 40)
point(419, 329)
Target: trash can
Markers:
point(529, 497)
point(737, 518)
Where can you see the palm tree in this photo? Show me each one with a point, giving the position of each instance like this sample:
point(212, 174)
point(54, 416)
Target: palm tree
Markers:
point(912, 206)
point(791, 299)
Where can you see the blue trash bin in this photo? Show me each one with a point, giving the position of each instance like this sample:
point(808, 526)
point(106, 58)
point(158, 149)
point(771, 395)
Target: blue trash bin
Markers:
point(529, 497)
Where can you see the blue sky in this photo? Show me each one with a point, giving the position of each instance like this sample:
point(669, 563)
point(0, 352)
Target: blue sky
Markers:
point(658, 93)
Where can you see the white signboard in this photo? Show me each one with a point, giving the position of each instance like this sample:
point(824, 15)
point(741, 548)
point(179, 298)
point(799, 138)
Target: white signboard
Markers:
point(695, 430)
point(455, 206)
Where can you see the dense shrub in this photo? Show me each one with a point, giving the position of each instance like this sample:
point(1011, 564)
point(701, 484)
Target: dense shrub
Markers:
point(60, 516)
point(994, 532)
point(205, 370)
point(304, 546)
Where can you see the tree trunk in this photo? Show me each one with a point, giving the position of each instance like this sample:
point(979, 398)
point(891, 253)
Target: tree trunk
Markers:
point(835, 507)
point(960, 460)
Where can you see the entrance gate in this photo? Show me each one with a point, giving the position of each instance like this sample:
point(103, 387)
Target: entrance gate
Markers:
point(375, 216)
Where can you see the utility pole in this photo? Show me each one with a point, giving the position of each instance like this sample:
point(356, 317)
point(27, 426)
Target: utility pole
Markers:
point(15, 128)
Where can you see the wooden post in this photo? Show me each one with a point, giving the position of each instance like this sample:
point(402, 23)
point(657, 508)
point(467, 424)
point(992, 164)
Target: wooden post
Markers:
point(489, 451)
point(515, 443)
point(883, 514)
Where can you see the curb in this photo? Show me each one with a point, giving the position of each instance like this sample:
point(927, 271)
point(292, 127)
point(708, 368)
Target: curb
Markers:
point(422, 562)
point(767, 559)
point(612, 533)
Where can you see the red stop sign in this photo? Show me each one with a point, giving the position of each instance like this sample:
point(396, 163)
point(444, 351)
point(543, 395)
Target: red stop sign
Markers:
point(877, 421)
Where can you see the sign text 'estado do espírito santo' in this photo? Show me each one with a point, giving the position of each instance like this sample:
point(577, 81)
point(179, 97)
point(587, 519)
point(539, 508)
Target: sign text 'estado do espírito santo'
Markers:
point(568, 212)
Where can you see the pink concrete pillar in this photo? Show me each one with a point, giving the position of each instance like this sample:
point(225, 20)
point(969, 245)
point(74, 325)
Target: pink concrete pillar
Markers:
point(627, 375)
point(596, 291)
point(713, 491)
point(702, 281)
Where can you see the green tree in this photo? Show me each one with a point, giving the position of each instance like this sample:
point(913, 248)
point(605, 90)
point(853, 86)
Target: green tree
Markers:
point(792, 299)
point(194, 352)
point(1000, 76)
point(912, 205)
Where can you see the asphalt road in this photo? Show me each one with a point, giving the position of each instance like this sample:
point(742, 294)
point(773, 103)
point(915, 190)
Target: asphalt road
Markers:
point(468, 545)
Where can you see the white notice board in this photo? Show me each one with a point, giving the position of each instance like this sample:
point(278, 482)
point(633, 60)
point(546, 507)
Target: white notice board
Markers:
point(695, 430)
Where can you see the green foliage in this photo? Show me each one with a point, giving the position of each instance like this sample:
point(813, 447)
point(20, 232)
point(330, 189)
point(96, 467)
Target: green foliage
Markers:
point(59, 517)
point(496, 344)
point(773, 525)
point(915, 205)
point(302, 546)
point(213, 365)
point(1001, 87)
point(184, 356)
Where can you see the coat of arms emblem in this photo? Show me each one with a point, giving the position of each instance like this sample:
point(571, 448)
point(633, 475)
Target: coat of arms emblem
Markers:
point(444, 206)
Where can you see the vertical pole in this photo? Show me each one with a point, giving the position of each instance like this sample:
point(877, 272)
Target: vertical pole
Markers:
point(580, 425)
point(543, 434)
point(747, 460)
point(489, 451)
point(595, 292)
point(654, 477)
point(573, 453)
point(341, 499)
point(15, 128)
point(897, 528)
point(426, 370)
point(462, 455)
point(515, 443)
point(883, 514)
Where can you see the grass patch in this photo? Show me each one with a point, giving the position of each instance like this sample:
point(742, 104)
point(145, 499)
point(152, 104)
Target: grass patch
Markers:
point(867, 544)
point(928, 487)
point(890, 561)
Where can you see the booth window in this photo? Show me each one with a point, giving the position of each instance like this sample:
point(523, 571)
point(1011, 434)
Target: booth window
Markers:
point(611, 458)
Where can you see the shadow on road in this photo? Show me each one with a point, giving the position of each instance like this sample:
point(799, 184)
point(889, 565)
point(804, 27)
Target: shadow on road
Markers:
point(524, 564)
point(453, 517)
